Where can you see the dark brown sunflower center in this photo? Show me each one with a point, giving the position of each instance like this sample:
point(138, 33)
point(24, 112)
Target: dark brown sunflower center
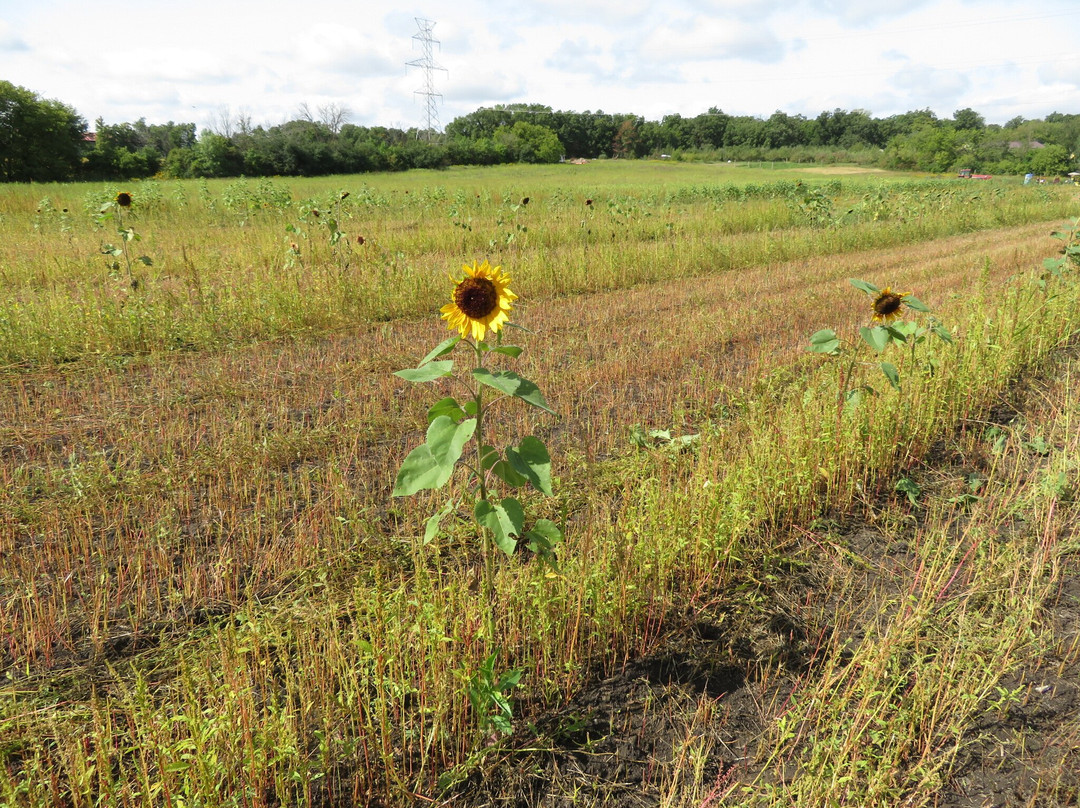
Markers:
point(476, 297)
point(887, 303)
point(123, 200)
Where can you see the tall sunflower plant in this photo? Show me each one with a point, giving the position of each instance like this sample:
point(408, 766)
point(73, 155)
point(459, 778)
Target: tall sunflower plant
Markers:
point(888, 327)
point(114, 209)
point(458, 430)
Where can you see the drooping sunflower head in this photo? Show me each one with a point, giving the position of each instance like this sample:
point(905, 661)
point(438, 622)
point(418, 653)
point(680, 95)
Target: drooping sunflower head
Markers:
point(123, 199)
point(887, 305)
point(479, 301)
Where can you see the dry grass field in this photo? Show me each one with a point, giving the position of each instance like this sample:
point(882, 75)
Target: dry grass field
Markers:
point(768, 593)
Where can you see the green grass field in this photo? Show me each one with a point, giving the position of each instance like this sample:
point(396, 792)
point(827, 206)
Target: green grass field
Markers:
point(797, 583)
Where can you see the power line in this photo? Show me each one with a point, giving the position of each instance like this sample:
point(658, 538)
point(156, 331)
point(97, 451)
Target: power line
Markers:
point(428, 64)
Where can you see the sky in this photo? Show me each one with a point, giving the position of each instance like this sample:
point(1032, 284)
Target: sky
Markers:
point(210, 61)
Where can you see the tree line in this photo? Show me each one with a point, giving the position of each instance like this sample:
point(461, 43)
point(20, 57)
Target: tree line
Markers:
point(46, 140)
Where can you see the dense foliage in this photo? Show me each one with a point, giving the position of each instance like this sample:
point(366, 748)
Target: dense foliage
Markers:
point(46, 140)
point(39, 139)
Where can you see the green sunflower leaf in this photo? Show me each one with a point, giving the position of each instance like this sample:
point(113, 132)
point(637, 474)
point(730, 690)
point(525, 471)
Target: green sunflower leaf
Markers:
point(427, 373)
point(442, 349)
point(877, 337)
point(889, 369)
point(505, 472)
point(504, 518)
point(824, 342)
point(915, 304)
point(508, 382)
point(494, 462)
point(543, 539)
point(431, 526)
point(532, 461)
point(431, 464)
point(863, 286)
point(508, 350)
point(448, 407)
point(900, 332)
point(544, 536)
point(942, 333)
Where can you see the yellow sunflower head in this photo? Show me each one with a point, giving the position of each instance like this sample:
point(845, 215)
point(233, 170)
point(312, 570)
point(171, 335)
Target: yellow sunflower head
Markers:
point(123, 199)
point(481, 300)
point(887, 305)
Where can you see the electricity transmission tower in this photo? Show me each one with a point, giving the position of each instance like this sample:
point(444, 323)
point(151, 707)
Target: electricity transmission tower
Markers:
point(428, 64)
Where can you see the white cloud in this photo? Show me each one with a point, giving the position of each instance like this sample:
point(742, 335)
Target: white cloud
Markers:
point(745, 56)
point(866, 12)
point(9, 40)
point(702, 39)
point(1064, 71)
point(341, 49)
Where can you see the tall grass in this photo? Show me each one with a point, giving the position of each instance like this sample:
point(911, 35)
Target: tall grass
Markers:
point(249, 260)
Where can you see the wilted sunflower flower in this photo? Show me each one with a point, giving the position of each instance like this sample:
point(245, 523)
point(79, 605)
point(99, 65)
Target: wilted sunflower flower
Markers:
point(887, 305)
point(481, 300)
point(123, 199)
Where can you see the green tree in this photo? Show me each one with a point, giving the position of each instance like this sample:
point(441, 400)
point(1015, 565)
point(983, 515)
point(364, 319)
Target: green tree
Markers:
point(1049, 161)
point(968, 118)
point(530, 143)
point(40, 140)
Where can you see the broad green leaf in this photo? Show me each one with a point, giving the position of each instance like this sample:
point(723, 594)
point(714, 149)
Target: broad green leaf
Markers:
point(508, 350)
point(863, 286)
point(510, 383)
point(544, 536)
point(494, 461)
point(942, 332)
point(145, 260)
point(532, 461)
point(508, 680)
point(427, 373)
point(489, 456)
point(915, 304)
point(900, 332)
point(443, 348)
point(431, 464)
point(431, 527)
point(905, 327)
point(448, 407)
point(889, 369)
point(1054, 265)
point(505, 519)
point(824, 342)
point(877, 337)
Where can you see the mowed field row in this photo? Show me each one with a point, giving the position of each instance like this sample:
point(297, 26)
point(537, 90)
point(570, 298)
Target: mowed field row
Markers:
point(182, 479)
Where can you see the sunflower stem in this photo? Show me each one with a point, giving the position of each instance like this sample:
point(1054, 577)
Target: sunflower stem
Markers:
point(487, 551)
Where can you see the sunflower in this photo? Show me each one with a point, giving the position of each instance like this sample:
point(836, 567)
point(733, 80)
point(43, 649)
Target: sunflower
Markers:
point(123, 199)
point(481, 300)
point(887, 305)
